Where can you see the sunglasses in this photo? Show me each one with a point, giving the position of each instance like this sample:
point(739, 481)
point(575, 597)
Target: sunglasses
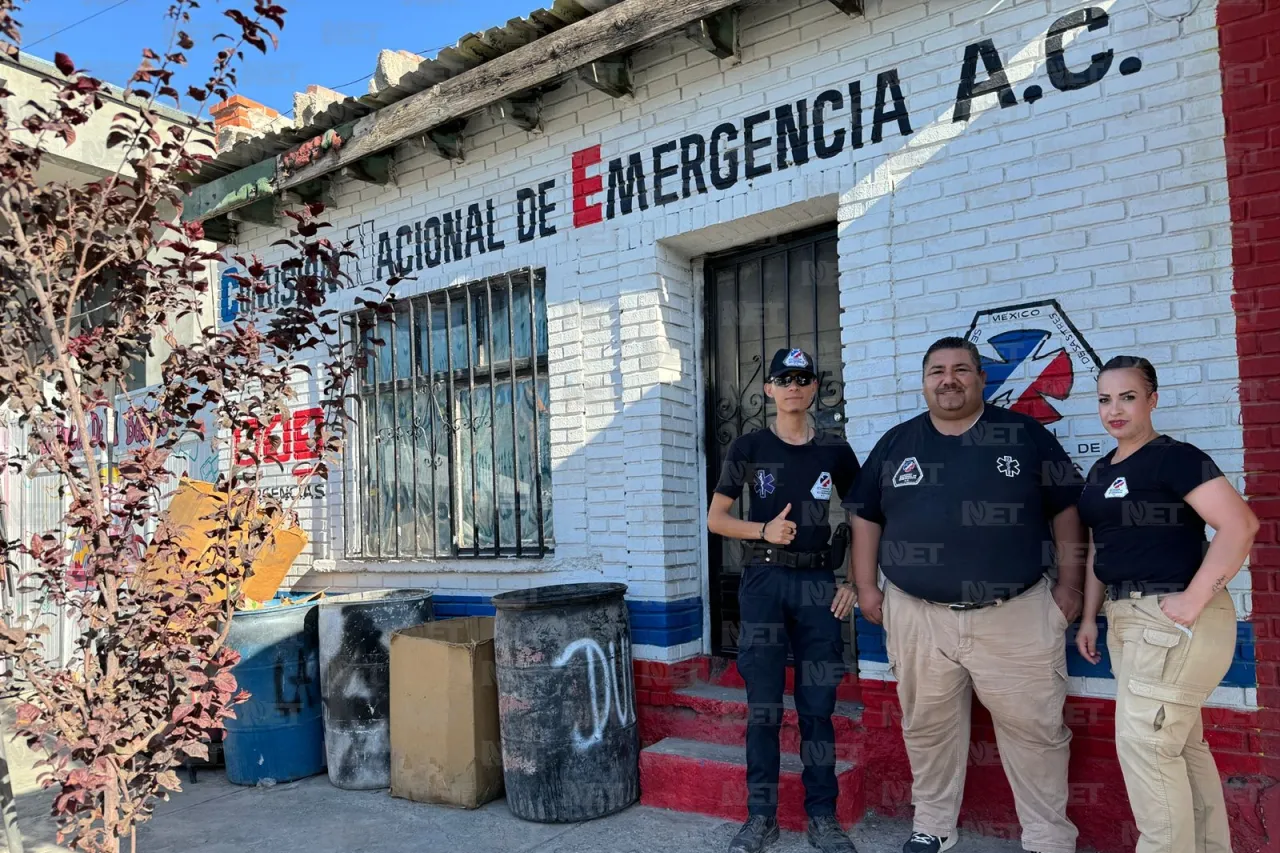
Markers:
point(784, 381)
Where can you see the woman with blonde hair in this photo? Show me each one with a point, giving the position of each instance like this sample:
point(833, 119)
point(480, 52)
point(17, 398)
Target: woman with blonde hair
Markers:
point(1171, 624)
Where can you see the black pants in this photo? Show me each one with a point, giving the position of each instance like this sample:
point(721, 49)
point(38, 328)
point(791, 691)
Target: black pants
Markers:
point(790, 610)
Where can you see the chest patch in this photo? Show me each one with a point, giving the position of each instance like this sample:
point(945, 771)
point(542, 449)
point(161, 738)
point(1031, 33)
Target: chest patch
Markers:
point(1008, 466)
point(1118, 489)
point(908, 473)
point(764, 484)
point(822, 487)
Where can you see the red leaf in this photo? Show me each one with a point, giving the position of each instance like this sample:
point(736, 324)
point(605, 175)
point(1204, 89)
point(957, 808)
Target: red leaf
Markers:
point(64, 63)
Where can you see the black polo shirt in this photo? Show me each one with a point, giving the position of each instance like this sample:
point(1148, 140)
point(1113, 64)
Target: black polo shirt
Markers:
point(967, 517)
point(1143, 528)
point(778, 473)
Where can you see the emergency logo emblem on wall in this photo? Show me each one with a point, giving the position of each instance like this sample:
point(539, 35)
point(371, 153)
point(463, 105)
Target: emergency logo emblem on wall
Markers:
point(822, 487)
point(1036, 361)
point(1118, 489)
point(908, 473)
point(764, 484)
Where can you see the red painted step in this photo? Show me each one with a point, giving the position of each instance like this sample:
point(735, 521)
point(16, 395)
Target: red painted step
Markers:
point(847, 691)
point(711, 779)
point(716, 714)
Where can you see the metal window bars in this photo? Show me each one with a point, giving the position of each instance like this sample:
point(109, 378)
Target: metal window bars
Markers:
point(450, 455)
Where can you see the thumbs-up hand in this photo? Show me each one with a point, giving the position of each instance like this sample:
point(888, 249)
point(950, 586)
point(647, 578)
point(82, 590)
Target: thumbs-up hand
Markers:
point(780, 531)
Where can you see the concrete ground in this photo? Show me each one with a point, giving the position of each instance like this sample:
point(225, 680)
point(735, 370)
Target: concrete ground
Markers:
point(312, 816)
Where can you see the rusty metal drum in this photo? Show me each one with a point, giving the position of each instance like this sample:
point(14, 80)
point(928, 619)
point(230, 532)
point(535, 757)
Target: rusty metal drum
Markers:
point(355, 680)
point(566, 701)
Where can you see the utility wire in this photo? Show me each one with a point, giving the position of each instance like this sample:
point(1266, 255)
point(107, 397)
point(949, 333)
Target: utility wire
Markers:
point(77, 23)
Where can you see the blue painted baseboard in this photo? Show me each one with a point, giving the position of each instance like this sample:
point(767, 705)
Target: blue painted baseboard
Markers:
point(653, 623)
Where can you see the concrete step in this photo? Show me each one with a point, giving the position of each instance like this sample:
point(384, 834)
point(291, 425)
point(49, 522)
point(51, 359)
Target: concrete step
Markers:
point(718, 714)
point(711, 779)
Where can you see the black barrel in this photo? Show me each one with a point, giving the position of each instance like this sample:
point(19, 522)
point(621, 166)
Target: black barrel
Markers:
point(566, 702)
point(355, 679)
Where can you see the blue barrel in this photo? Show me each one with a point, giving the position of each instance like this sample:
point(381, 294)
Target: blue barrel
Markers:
point(279, 732)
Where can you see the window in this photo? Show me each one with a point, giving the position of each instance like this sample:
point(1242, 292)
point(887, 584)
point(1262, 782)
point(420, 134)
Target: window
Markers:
point(450, 455)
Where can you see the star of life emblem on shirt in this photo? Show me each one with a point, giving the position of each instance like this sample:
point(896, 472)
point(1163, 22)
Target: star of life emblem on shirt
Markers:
point(1008, 466)
point(908, 473)
point(1118, 489)
point(764, 484)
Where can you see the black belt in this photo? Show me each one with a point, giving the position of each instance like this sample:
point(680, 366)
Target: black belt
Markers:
point(1137, 589)
point(968, 605)
point(773, 555)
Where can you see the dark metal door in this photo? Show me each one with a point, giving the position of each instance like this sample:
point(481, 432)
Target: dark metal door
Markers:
point(782, 293)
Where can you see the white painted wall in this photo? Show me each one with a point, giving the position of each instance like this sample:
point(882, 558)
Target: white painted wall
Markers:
point(1110, 199)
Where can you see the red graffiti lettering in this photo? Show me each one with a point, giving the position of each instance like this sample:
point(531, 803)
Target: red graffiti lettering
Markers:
point(134, 429)
point(584, 186)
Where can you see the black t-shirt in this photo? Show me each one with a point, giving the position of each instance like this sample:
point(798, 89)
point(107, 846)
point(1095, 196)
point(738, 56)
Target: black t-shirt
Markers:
point(803, 475)
point(1143, 529)
point(967, 517)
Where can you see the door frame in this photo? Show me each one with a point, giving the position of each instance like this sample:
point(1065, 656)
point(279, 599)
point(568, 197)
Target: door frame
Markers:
point(743, 253)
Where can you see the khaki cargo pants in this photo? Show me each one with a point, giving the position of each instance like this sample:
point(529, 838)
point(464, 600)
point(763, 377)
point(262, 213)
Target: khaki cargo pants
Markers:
point(1162, 680)
point(1014, 655)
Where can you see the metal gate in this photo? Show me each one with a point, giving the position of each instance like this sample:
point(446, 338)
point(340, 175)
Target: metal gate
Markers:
point(783, 292)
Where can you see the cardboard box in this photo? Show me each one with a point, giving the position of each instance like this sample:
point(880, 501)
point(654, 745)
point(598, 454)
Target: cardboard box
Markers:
point(445, 745)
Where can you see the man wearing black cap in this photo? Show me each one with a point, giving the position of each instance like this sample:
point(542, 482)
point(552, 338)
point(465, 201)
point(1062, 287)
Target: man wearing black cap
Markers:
point(788, 597)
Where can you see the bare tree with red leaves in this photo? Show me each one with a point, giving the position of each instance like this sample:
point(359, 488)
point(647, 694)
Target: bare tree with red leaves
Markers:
point(151, 674)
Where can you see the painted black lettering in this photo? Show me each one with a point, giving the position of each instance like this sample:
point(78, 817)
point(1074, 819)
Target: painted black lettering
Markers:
point(728, 133)
point(660, 171)
point(526, 215)
point(792, 132)
point(1062, 78)
point(855, 114)
point(384, 255)
point(417, 244)
point(693, 151)
point(887, 81)
point(403, 235)
point(826, 150)
point(624, 186)
point(431, 237)
point(489, 216)
point(753, 145)
point(545, 209)
point(475, 228)
point(997, 81)
point(453, 236)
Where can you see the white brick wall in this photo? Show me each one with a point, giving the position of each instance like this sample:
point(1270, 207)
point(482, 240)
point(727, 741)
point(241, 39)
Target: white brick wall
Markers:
point(1109, 199)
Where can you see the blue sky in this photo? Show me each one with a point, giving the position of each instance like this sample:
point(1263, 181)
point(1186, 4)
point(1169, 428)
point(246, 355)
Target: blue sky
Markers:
point(324, 42)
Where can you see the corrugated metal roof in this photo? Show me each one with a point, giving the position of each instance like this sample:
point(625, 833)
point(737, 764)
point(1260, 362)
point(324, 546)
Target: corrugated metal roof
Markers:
point(470, 51)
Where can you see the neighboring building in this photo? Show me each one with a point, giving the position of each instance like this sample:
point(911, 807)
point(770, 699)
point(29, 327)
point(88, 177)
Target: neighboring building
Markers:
point(35, 504)
point(610, 214)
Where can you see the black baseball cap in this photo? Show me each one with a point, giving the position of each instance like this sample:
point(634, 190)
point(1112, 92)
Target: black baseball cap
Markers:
point(791, 361)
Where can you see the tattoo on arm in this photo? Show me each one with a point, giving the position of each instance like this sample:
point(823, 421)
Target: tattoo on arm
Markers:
point(1219, 583)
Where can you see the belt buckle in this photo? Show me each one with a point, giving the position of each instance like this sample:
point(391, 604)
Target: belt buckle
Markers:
point(959, 605)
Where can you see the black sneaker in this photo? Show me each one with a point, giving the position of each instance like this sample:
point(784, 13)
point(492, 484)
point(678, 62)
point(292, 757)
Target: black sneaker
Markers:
point(756, 834)
point(921, 842)
point(825, 834)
